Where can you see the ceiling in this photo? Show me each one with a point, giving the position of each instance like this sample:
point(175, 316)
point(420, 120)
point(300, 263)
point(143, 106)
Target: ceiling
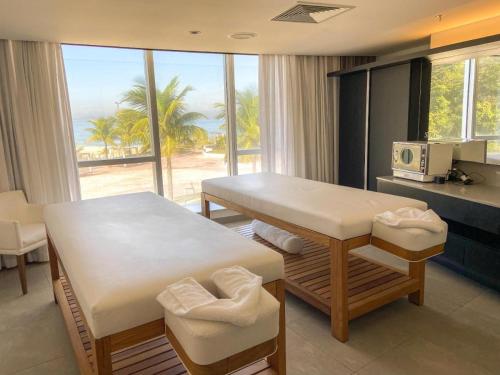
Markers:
point(372, 27)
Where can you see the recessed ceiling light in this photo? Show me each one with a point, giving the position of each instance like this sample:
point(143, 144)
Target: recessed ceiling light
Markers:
point(243, 35)
point(195, 32)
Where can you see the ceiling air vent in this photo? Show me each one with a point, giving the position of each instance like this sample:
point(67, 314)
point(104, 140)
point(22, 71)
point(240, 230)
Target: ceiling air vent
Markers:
point(311, 12)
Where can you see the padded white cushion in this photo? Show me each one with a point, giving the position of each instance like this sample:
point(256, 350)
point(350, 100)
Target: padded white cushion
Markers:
point(21, 224)
point(120, 253)
point(31, 233)
point(414, 239)
point(337, 211)
point(206, 342)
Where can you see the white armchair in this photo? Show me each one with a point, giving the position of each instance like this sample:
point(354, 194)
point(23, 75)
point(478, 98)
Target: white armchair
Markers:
point(21, 229)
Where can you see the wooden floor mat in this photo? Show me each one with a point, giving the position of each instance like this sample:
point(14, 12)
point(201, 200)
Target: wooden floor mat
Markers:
point(308, 274)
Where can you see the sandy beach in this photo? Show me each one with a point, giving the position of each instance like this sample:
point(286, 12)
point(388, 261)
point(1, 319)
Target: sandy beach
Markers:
point(188, 172)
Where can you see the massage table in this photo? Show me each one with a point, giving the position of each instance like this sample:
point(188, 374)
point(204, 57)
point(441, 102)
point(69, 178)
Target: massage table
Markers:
point(340, 219)
point(116, 254)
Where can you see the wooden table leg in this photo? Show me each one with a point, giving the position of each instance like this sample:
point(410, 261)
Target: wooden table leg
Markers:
point(278, 359)
point(205, 206)
point(21, 267)
point(339, 313)
point(101, 351)
point(54, 265)
point(416, 270)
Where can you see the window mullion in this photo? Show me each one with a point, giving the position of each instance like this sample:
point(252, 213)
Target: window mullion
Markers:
point(465, 99)
point(153, 118)
point(230, 96)
point(471, 122)
point(468, 101)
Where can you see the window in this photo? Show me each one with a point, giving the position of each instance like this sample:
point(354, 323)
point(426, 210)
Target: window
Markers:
point(446, 109)
point(486, 123)
point(465, 102)
point(121, 148)
point(246, 78)
point(111, 150)
point(191, 110)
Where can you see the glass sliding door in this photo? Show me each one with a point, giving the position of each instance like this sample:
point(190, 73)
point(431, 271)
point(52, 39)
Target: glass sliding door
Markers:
point(110, 119)
point(191, 119)
point(246, 80)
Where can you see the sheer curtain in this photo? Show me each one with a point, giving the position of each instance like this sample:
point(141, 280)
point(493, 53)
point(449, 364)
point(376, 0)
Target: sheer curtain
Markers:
point(36, 137)
point(297, 106)
point(4, 178)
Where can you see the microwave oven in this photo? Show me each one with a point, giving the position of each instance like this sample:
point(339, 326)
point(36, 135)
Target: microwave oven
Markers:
point(421, 161)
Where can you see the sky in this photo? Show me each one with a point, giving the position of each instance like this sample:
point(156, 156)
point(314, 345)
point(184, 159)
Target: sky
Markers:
point(98, 76)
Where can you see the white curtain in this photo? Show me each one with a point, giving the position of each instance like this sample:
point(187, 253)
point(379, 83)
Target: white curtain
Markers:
point(36, 136)
point(297, 106)
point(4, 177)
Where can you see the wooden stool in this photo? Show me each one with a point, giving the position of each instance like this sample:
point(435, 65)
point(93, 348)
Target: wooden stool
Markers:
point(413, 245)
point(217, 348)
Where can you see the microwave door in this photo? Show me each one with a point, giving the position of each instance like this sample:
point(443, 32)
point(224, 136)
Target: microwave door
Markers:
point(407, 158)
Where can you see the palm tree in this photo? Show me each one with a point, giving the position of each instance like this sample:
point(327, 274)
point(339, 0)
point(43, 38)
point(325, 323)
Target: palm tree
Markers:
point(104, 131)
point(247, 121)
point(177, 126)
point(126, 128)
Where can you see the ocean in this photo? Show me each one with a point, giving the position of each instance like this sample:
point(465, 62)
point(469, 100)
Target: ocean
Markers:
point(212, 126)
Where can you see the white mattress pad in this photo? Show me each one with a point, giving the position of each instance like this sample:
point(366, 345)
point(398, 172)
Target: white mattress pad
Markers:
point(121, 252)
point(336, 211)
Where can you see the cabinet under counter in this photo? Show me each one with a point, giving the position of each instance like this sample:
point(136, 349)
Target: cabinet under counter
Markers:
point(473, 216)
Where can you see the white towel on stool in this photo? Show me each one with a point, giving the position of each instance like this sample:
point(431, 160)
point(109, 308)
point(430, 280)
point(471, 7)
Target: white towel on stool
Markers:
point(278, 237)
point(240, 288)
point(409, 217)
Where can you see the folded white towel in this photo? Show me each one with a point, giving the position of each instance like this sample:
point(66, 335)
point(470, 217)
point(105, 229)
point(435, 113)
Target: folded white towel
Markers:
point(240, 288)
point(278, 237)
point(409, 217)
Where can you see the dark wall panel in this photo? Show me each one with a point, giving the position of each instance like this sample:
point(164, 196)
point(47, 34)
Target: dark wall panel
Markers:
point(420, 97)
point(389, 107)
point(352, 119)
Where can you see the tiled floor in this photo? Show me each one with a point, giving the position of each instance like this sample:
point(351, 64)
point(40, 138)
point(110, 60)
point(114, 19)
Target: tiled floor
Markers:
point(456, 332)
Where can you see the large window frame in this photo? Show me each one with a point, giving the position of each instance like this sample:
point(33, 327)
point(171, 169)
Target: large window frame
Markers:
point(232, 151)
point(469, 102)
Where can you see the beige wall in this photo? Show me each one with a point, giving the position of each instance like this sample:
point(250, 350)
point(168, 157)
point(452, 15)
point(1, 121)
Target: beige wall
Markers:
point(475, 30)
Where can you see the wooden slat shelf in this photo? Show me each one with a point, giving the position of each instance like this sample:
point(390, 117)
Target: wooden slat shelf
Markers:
point(154, 356)
point(307, 275)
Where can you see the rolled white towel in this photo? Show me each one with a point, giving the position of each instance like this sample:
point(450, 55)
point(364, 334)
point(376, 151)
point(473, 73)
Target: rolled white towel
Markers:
point(409, 217)
point(278, 237)
point(239, 288)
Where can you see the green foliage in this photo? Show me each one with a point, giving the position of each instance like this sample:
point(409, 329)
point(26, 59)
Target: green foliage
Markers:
point(126, 130)
point(487, 107)
point(447, 85)
point(247, 120)
point(445, 114)
point(103, 130)
point(176, 125)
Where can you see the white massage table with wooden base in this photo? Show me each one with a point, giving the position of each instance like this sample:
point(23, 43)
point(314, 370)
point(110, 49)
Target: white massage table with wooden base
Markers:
point(338, 219)
point(111, 257)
